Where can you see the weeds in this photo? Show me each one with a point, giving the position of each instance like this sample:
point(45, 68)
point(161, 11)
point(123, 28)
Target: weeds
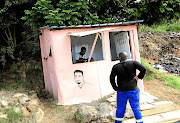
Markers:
point(14, 116)
point(66, 111)
point(172, 81)
point(70, 116)
point(6, 86)
point(152, 73)
point(173, 26)
point(79, 118)
point(3, 120)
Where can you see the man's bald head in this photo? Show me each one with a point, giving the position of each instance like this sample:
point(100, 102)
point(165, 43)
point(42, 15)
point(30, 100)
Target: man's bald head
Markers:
point(123, 56)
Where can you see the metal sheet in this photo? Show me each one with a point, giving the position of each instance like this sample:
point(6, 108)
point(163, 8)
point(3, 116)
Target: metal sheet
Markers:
point(95, 25)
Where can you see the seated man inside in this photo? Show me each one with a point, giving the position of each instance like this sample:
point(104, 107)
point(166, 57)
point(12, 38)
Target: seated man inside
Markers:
point(80, 57)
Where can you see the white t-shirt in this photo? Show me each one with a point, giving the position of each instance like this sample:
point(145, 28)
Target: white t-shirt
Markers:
point(78, 56)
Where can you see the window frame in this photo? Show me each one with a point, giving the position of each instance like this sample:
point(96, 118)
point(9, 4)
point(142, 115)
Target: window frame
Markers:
point(102, 43)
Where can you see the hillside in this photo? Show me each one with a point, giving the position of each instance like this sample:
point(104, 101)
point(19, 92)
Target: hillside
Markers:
point(162, 50)
point(156, 45)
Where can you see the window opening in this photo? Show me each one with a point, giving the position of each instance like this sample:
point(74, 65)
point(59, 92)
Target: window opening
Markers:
point(83, 48)
point(119, 42)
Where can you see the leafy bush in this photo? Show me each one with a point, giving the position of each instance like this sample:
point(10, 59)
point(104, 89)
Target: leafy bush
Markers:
point(6, 52)
point(64, 12)
point(156, 11)
point(14, 34)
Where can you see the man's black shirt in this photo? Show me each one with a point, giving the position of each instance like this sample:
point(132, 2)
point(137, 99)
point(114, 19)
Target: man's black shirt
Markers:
point(125, 72)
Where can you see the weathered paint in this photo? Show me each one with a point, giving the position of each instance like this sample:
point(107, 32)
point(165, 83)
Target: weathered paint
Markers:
point(59, 69)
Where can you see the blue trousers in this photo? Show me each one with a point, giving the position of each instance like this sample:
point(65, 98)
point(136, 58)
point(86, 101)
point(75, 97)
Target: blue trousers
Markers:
point(133, 97)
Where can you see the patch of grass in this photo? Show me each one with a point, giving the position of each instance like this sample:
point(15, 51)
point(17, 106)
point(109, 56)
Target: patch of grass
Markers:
point(55, 104)
point(152, 73)
point(172, 81)
point(2, 120)
point(173, 26)
point(79, 118)
point(70, 116)
point(6, 86)
point(12, 86)
point(14, 116)
point(67, 112)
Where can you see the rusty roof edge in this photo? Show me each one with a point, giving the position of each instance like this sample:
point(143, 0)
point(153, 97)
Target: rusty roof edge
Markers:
point(94, 25)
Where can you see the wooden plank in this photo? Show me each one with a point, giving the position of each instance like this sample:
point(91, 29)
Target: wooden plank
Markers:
point(94, 44)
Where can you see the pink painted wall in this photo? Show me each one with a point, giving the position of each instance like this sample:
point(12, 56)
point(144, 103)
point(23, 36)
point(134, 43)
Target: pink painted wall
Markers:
point(59, 70)
point(48, 65)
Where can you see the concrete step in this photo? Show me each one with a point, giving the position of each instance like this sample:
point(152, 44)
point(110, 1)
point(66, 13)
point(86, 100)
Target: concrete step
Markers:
point(172, 121)
point(159, 107)
point(151, 109)
point(167, 117)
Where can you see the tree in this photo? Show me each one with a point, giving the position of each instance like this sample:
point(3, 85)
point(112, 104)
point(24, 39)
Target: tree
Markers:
point(113, 10)
point(65, 12)
point(156, 11)
point(12, 30)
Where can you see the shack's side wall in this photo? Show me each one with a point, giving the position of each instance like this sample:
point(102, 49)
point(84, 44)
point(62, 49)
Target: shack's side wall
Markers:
point(95, 74)
point(48, 64)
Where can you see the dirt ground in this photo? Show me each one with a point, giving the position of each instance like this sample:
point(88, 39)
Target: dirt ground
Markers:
point(63, 114)
point(54, 114)
point(163, 92)
point(155, 45)
point(58, 114)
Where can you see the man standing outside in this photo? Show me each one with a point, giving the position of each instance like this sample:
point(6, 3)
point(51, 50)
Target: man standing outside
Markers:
point(127, 86)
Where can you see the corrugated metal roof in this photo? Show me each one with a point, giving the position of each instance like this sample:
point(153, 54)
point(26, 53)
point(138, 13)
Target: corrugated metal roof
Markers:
point(94, 25)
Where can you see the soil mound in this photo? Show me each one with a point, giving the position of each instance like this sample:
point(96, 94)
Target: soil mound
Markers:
point(156, 45)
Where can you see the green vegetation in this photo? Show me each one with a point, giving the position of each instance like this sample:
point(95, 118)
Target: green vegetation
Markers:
point(3, 120)
point(173, 26)
point(14, 33)
point(70, 116)
point(20, 20)
point(13, 117)
point(172, 81)
point(156, 11)
point(151, 73)
point(6, 86)
point(55, 103)
point(79, 118)
point(168, 79)
point(67, 111)
point(14, 86)
point(64, 12)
